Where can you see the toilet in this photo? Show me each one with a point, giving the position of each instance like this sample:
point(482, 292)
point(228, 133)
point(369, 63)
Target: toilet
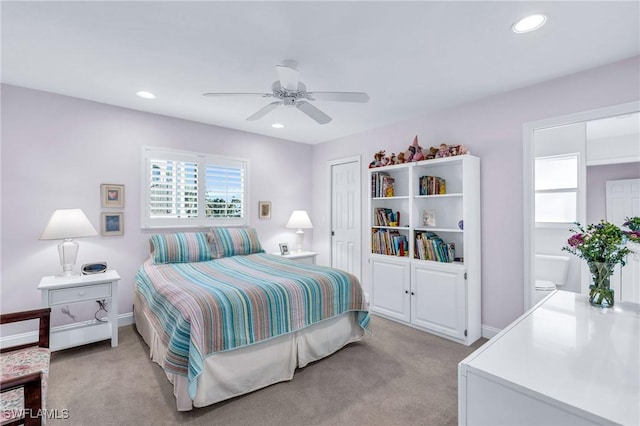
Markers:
point(550, 272)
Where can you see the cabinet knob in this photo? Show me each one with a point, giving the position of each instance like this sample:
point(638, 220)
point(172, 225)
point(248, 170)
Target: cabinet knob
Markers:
point(413, 294)
point(406, 292)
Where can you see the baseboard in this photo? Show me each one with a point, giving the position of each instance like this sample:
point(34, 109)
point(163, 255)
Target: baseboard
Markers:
point(125, 319)
point(32, 336)
point(489, 332)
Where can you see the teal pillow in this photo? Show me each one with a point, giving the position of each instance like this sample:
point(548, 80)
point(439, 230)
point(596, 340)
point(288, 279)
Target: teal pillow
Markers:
point(227, 242)
point(181, 247)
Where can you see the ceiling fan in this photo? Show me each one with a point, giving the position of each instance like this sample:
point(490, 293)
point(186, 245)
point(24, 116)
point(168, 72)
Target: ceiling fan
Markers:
point(290, 91)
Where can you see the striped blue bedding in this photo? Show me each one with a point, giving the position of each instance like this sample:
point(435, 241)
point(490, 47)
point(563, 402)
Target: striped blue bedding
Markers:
point(220, 305)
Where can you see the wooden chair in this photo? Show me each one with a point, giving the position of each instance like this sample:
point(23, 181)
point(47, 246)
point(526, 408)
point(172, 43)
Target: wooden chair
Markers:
point(24, 371)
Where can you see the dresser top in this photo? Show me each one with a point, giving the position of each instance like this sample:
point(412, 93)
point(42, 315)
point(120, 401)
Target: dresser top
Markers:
point(571, 352)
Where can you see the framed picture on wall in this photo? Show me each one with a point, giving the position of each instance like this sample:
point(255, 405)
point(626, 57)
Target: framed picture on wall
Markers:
point(112, 195)
point(112, 224)
point(264, 210)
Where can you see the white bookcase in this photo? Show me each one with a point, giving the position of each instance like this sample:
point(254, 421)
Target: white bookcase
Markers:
point(442, 295)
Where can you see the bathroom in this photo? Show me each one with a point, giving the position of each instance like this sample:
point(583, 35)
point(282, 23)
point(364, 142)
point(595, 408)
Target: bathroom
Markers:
point(573, 165)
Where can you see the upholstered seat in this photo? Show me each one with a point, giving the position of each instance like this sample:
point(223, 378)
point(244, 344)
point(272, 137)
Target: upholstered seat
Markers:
point(24, 372)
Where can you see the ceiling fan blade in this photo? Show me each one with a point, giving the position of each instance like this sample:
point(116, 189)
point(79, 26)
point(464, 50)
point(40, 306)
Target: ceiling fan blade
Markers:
point(313, 112)
point(289, 77)
point(339, 96)
point(264, 111)
point(264, 95)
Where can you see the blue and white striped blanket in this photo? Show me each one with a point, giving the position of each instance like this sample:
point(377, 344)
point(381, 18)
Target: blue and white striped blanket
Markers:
point(228, 303)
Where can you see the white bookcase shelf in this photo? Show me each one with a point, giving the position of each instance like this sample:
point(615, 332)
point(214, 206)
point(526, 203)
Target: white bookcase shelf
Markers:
point(433, 286)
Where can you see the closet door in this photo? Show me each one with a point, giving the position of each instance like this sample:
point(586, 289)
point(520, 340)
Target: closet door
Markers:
point(623, 200)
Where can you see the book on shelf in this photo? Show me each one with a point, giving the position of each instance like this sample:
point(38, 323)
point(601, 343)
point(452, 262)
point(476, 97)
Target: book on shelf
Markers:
point(432, 185)
point(389, 242)
point(386, 217)
point(429, 246)
point(382, 185)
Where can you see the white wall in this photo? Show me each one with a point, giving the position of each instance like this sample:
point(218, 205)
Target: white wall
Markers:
point(492, 129)
point(57, 150)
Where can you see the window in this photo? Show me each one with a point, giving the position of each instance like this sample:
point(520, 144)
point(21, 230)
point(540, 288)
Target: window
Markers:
point(191, 189)
point(556, 185)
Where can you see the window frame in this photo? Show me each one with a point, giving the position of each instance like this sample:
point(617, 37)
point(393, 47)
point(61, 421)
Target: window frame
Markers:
point(202, 160)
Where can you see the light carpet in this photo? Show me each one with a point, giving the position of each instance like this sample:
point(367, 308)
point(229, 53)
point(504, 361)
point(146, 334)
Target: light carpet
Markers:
point(397, 376)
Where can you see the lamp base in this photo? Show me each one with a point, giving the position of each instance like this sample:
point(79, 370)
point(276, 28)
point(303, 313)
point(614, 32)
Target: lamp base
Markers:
point(299, 240)
point(68, 251)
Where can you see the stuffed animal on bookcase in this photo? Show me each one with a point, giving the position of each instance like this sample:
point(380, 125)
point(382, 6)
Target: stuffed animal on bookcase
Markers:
point(443, 151)
point(377, 159)
point(414, 152)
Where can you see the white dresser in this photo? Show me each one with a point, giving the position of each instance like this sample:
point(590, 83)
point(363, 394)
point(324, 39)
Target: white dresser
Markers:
point(562, 362)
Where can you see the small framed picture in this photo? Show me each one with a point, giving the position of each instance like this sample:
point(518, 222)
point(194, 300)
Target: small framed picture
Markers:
point(112, 195)
point(264, 209)
point(112, 224)
point(429, 218)
point(284, 249)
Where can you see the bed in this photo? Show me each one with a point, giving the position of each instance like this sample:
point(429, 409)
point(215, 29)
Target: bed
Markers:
point(223, 318)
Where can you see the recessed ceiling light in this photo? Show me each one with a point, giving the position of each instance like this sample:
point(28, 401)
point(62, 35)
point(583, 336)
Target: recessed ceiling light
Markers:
point(277, 125)
point(529, 23)
point(146, 95)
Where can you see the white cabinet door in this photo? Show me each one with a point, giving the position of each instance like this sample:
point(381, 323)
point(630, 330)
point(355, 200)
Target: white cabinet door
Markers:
point(438, 298)
point(390, 288)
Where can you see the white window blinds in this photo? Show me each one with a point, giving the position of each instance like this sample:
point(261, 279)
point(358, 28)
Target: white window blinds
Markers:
point(191, 189)
point(224, 191)
point(173, 192)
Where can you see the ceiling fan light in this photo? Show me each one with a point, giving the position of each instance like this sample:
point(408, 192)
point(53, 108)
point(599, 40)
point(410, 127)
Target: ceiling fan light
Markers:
point(145, 95)
point(277, 125)
point(529, 23)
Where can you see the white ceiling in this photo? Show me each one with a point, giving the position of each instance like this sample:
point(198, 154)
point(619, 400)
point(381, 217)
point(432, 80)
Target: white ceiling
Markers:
point(410, 57)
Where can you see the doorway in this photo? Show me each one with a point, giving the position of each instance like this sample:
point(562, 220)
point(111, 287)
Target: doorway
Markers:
point(529, 132)
point(346, 215)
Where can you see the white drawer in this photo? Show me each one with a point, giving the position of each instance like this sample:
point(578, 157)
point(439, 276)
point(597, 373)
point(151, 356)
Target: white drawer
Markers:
point(77, 294)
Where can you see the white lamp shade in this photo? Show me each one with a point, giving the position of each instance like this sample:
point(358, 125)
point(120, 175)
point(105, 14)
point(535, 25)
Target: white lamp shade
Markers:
point(299, 219)
point(68, 223)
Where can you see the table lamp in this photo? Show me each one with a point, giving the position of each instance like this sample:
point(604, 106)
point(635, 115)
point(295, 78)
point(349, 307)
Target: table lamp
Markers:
point(67, 224)
point(299, 219)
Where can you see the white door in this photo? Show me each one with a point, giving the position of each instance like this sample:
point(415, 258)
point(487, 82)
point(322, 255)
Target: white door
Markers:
point(346, 216)
point(623, 200)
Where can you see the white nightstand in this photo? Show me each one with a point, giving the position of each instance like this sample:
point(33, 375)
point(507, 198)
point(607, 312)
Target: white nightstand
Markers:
point(57, 290)
point(301, 256)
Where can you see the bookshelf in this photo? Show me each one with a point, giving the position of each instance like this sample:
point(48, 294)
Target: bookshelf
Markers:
point(425, 245)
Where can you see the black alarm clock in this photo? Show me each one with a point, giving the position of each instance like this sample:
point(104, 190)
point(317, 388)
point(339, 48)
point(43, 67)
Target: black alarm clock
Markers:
point(94, 268)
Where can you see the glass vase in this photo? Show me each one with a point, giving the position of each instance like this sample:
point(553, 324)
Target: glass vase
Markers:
point(601, 294)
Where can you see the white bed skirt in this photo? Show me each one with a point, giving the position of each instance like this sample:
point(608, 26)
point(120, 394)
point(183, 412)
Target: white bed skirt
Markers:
point(243, 370)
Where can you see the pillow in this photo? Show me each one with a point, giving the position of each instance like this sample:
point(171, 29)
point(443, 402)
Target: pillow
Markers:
point(227, 242)
point(180, 247)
